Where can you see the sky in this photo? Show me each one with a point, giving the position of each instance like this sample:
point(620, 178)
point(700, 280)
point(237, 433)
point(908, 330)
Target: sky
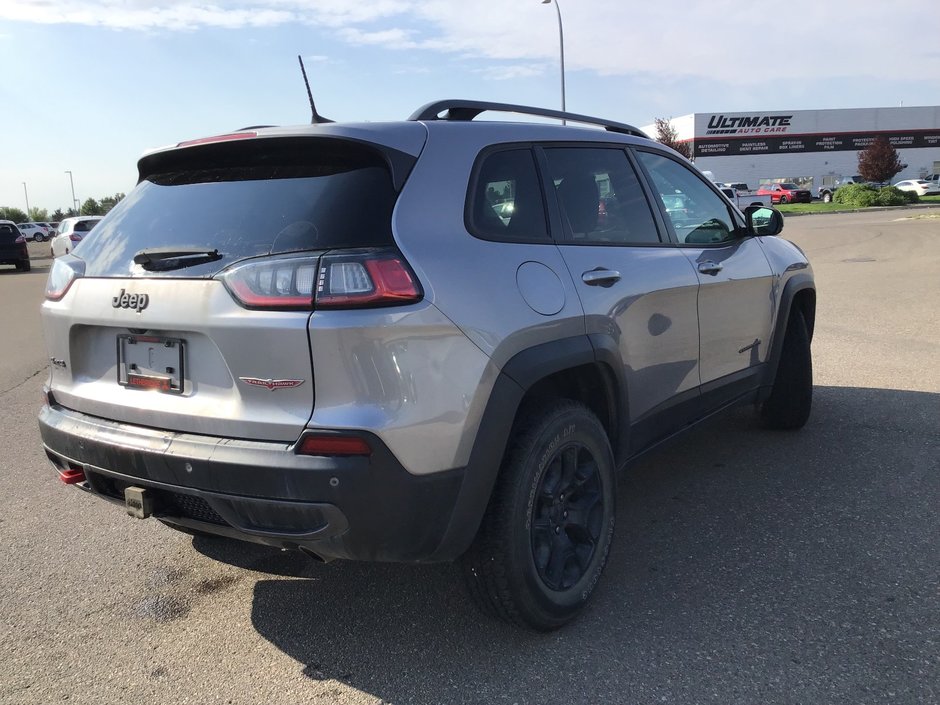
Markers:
point(89, 85)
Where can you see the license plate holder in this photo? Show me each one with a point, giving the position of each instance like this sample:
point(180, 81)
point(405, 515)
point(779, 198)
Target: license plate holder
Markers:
point(151, 363)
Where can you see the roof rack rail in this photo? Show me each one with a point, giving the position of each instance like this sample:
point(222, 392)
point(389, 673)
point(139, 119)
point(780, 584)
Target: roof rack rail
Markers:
point(464, 110)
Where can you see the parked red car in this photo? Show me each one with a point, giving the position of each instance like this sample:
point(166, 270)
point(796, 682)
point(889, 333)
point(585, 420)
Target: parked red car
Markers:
point(785, 193)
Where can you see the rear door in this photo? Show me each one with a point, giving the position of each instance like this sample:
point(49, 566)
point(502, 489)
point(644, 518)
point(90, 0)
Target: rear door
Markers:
point(637, 289)
point(154, 338)
point(736, 301)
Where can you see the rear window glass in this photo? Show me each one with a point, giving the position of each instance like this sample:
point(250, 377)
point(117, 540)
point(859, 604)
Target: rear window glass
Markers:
point(8, 233)
point(248, 203)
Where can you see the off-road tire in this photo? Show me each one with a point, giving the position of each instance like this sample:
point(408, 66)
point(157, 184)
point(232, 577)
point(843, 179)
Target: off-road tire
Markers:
point(827, 198)
point(513, 560)
point(791, 397)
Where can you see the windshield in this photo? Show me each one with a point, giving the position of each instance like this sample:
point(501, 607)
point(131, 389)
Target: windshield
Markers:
point(789, 187)
point(326, 200)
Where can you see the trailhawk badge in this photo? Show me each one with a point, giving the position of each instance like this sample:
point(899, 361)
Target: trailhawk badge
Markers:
point(271, 384)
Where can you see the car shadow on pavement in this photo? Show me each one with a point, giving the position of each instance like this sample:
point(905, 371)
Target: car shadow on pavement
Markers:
point(748, 566)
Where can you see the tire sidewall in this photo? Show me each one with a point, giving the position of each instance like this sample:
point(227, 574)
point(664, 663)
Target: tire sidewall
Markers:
point(572, 427)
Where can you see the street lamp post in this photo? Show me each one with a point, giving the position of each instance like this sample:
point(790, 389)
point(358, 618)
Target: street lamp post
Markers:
point(26, 193)
point(74, 200)
point(561, 51)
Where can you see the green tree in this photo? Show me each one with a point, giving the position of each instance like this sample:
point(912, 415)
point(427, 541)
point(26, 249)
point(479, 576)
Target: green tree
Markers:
point(38, 215)
point(109, 202)
point(666, 134)
point(91, 207)
point(14, 214)
point(57, 215)
point(879, 161)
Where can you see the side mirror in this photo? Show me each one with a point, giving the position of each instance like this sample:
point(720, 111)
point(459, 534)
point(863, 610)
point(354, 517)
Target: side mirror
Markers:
point(762, 220)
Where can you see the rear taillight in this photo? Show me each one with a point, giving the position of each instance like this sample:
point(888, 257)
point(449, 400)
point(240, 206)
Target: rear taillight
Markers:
point(273, 283)
point(75, 238)
point(64, 271)
point(355, 280)
point(21, 240)
point(352, 279)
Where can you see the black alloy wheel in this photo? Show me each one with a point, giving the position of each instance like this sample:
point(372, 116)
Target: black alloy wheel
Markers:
point(567, 518)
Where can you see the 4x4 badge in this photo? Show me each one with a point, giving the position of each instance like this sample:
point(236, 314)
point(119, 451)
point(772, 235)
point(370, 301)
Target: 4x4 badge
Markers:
point(271, 384)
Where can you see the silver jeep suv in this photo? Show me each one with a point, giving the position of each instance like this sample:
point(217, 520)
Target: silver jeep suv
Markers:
point(426, 340)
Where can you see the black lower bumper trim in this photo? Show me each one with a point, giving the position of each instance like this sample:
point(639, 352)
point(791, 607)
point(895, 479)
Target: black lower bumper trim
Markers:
point(362, 508)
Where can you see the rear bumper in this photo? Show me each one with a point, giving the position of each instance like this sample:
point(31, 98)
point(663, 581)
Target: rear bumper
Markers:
point(362, 508)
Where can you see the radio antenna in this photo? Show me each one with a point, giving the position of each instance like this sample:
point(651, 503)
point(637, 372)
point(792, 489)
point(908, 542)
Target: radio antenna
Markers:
point(315, 117)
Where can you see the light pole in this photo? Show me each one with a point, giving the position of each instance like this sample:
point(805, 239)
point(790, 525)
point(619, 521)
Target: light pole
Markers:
point(74, 200)
point(26, 193)
point(561, 51)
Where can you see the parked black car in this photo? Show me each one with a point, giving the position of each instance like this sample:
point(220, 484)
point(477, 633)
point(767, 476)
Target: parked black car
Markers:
point(13, 246)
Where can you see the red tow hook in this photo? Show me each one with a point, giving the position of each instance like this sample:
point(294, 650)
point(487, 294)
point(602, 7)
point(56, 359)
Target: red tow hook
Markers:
point(72, 476)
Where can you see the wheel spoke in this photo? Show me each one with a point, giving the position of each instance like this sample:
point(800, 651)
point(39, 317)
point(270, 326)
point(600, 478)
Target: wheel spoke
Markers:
point(569, 469)
point(587, 471)
point(561, 551)
point(551, 480)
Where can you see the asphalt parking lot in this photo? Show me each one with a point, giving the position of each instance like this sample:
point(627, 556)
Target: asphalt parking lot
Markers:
point(748, 566)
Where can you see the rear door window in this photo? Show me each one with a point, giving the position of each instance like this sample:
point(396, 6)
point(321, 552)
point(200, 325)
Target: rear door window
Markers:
point(600, 197)
point(274, 196)
point(505, 201)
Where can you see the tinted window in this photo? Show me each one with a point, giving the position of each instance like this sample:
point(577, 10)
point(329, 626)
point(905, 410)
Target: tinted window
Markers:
point(698, 214)
point(316, 195)
point(600, 197)
point(506, 202)
point(8, 234)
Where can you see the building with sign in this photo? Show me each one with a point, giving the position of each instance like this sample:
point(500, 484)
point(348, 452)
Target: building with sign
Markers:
point(811, 148)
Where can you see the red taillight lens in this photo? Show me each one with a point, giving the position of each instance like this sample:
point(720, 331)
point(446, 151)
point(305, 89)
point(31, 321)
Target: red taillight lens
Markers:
point(317, 444)
point(352, 279)
point(75, 238)
point(275, 283)
point(21, 240)
point(65, 270)
point(367, 279)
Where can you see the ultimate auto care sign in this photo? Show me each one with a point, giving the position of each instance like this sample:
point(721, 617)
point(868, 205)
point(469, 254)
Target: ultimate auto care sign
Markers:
point(804, 131)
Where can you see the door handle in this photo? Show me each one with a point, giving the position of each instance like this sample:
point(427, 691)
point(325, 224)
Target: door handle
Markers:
point(709, 267)
point(601, 277)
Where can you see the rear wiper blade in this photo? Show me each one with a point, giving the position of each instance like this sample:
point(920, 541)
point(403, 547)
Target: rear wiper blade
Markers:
point(167, 258)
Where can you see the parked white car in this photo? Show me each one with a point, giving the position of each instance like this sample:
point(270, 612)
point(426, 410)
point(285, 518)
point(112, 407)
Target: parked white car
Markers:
point(70, 233)
point(918, 186)
point(39, 232)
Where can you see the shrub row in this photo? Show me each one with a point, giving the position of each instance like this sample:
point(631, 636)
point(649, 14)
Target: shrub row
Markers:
point(863, 196)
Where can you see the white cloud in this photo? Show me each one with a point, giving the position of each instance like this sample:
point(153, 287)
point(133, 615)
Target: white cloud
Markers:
point(512, 71)
point(389, 38)
point(720, 40)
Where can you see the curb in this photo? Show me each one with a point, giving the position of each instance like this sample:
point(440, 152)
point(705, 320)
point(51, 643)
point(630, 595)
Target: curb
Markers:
point(871, 209)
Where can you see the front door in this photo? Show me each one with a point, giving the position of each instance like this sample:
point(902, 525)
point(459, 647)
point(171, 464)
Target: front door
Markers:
point(638, 290)
point(736, 299)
